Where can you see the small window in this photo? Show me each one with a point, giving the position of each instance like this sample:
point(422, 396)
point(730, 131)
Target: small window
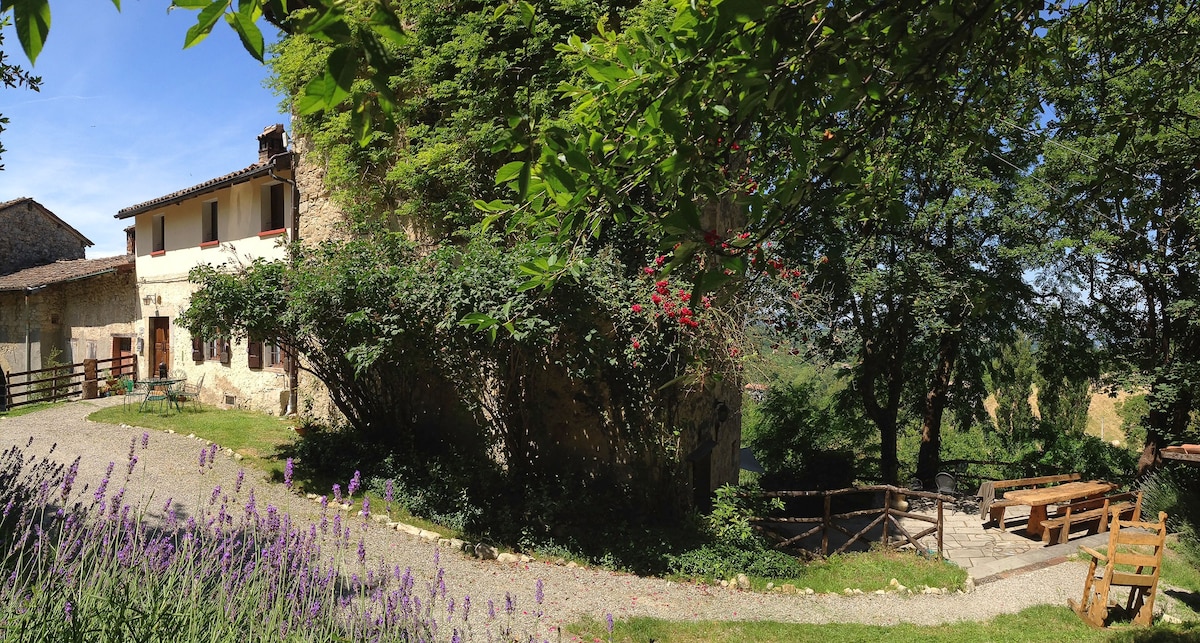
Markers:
point(212, 349)
point(209, 217)
point(274, 355)
point(160, 241)
point(273, 207)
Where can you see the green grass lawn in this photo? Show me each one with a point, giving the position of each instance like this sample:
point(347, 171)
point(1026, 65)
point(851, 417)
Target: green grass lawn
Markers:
point(257, 436)
point(1051, 624)
point(26, 409)
point(874, 570)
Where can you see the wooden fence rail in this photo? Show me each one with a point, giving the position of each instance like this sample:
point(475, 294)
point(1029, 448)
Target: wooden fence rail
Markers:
point(61, 382)
point(887, 518)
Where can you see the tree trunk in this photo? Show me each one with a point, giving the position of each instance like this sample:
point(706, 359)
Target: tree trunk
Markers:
point(929, 457)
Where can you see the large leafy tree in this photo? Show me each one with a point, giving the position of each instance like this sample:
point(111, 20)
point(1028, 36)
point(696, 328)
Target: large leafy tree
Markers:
point(1125, 191)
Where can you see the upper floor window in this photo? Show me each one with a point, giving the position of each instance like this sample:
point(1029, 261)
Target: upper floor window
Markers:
point(273, 207)
point(208, 214)
point(160, 242)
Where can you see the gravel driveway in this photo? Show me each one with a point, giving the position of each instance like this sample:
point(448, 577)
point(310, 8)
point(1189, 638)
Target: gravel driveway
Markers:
point(169, 468)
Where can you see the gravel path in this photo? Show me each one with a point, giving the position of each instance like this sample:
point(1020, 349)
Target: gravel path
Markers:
point(169, 468)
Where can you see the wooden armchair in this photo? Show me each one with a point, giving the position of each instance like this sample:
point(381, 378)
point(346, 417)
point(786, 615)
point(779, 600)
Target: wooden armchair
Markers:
point(1133, 560)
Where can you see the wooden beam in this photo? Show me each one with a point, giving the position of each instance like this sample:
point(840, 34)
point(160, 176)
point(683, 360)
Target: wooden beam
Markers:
point(1182, 457)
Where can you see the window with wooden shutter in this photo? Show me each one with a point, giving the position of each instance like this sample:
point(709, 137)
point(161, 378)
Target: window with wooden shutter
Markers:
point(197, 349)
point(254, 354)
point(225, 357)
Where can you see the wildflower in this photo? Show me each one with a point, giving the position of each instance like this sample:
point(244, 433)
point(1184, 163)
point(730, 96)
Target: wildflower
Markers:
point(238, 487)
point(355, 482)
point(145, 439)
point(656, 298)
point(67, 608)
point(609, 618)
point(648, 270)
point(466, 607)
point(636, 344)
point(366, 510)
point(538, 592)
point(637, 308)
point(133, 460)
point(212, 454)
point(337, 493)
point(287, 473)
point(362, 551)
point(215, 493)
point(203, 459)
point(491, 608)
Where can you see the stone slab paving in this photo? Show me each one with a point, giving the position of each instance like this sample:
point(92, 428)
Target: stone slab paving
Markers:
point(980, 546)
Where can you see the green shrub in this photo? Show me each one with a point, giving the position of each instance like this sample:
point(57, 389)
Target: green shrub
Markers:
point(797, 432)
point(1176, 490)
point(723, 560)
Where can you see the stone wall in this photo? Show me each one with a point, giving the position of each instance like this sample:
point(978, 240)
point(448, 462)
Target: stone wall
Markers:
point(320, 218)
point(78, 318)
point(31, 238)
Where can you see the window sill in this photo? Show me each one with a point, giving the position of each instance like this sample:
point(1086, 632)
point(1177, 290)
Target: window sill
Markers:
point(158, 253)
point(272, 233)
point(210, 244)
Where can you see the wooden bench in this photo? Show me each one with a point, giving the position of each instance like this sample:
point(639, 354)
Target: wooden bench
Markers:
point(990, 506)
point(1098, 509)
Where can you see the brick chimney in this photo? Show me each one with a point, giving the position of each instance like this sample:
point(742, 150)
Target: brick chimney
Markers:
point(270, 142)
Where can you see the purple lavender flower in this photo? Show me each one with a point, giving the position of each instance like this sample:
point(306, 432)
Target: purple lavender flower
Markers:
point(466, 606)
point(215, 493)
point(212, 454)
point(362, 551)
point(287, 473)
point(133, 460)
point(388, 495)
point(337, 493)
point(99, 495)
point(510, 605)
point(203, 458)
point(241, 475)
point(69, 479)
point(491, 610)
point(67, 608)
point(609, 618)
point(538, 592)
point(366, 510)
point(145, 439)
point(132, 445)
point(355, 482)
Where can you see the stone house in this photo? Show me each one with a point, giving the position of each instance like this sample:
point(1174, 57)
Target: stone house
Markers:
point(234, 218)
point(85, 308)
point(34, 236)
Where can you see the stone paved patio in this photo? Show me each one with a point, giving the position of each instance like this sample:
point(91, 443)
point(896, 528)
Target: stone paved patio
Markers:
point(970, 544)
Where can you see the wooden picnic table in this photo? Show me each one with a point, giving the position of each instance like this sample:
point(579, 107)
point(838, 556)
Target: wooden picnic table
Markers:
point(1038, 499)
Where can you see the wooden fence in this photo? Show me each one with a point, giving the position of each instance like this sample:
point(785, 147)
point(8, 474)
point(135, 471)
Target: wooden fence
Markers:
point(886, 517)
point(61, 382)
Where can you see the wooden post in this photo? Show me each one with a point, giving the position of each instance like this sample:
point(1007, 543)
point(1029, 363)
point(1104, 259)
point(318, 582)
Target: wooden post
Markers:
point(90, 390)
point(887, 514)
point(3, 391)
point(825, 526)
point(940, 529)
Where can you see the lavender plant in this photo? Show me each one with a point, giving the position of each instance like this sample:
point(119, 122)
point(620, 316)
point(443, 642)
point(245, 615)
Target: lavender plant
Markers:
point(80, 565)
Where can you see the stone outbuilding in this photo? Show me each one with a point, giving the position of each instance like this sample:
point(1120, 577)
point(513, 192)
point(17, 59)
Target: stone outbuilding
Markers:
point(35, 236)
point(84, 308)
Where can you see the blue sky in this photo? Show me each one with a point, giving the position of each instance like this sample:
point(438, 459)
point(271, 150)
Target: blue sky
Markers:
point(126, 114)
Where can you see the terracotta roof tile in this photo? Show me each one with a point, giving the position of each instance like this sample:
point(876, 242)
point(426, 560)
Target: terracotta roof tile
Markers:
point(211, 185)
point(61, 271)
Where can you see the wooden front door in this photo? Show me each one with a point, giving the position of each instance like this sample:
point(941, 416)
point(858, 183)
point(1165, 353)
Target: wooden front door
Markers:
point(122, 351)
point(160, 347)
